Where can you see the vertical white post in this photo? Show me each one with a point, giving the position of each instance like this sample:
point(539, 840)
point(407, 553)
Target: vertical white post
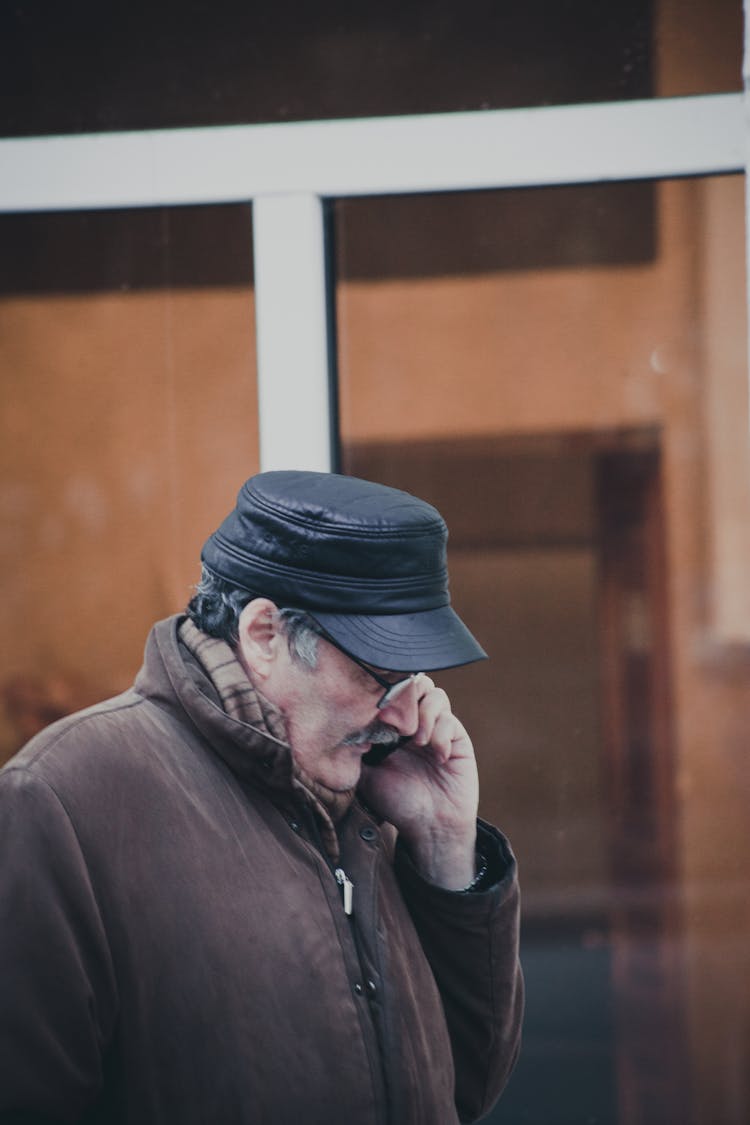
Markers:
point(294, 392)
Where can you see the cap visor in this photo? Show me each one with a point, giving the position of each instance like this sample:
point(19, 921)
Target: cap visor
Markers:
point(405, 642)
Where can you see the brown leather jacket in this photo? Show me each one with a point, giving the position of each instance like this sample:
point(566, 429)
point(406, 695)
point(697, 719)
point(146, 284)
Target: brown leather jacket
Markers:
point(174, 946)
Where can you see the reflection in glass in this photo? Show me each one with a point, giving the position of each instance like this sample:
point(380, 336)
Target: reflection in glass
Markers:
point(560, 413)
point(128, 418)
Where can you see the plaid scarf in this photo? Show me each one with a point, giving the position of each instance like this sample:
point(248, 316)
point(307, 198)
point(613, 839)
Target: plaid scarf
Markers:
point(241, 700)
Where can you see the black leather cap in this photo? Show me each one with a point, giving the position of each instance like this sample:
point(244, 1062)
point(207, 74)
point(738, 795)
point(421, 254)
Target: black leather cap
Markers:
point(366, 561)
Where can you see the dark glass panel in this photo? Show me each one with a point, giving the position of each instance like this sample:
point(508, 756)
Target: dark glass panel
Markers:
point(90, 68)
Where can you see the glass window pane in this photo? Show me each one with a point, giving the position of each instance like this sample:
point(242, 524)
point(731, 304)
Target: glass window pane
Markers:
point(67, 70)
point(564, 376)
point(127, 420)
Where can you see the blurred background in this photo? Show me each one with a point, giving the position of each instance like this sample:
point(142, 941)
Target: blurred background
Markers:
point(562, 371)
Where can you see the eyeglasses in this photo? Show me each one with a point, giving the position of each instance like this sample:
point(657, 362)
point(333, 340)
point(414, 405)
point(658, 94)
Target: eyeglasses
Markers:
point(393, 688)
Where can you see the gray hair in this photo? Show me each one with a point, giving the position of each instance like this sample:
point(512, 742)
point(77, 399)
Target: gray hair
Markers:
point(216, 605)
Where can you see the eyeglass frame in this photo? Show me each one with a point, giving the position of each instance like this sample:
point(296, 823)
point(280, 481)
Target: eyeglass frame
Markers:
point(393, 688)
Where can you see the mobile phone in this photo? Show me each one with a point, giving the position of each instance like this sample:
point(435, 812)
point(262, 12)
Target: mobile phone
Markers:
point(378, 753)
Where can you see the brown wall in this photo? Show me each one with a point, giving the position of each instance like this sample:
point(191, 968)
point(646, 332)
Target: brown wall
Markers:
point(128, 422)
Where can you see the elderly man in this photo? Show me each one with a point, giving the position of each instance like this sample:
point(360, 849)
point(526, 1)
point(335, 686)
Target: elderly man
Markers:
point(211, 910)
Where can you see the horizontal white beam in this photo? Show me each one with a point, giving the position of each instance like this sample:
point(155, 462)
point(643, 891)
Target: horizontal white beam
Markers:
point(373, 156)
point(291, 333)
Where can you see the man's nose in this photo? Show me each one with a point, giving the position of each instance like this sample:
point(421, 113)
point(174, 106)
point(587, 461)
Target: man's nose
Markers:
point(402, 712)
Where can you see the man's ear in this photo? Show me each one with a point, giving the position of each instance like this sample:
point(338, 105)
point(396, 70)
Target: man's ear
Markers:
point(259, 636)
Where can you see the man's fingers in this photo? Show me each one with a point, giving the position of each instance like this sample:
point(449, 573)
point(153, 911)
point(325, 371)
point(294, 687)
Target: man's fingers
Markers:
point(424, 685)
point(437, 724)
point(431, 705)
point(444, 732)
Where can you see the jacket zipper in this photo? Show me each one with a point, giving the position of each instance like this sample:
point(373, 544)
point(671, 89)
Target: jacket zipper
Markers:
point(347, 889)
point(347, 892)
point(341, 877)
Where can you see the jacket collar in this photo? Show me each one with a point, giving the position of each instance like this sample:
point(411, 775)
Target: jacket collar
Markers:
point(173, 676)
point(174, 679)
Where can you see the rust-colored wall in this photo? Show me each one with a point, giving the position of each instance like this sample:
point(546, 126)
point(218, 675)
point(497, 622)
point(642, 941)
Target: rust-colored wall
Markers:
point(127, 422)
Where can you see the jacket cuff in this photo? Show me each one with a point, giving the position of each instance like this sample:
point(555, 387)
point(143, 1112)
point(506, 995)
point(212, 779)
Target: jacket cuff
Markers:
point(496, 884)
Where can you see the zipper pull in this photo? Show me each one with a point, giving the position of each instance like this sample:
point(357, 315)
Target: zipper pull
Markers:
point(347, 887)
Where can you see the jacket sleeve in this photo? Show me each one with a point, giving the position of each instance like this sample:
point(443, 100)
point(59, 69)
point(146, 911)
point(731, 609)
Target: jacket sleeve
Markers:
point(57, 993)
point(471, 942)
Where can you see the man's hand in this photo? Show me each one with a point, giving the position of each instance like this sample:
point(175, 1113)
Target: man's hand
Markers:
point(429, 789)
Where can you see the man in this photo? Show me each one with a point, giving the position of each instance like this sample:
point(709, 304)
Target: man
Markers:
point(210, 909)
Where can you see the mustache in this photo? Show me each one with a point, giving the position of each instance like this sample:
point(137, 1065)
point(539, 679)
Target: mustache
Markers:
point(376, 733)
